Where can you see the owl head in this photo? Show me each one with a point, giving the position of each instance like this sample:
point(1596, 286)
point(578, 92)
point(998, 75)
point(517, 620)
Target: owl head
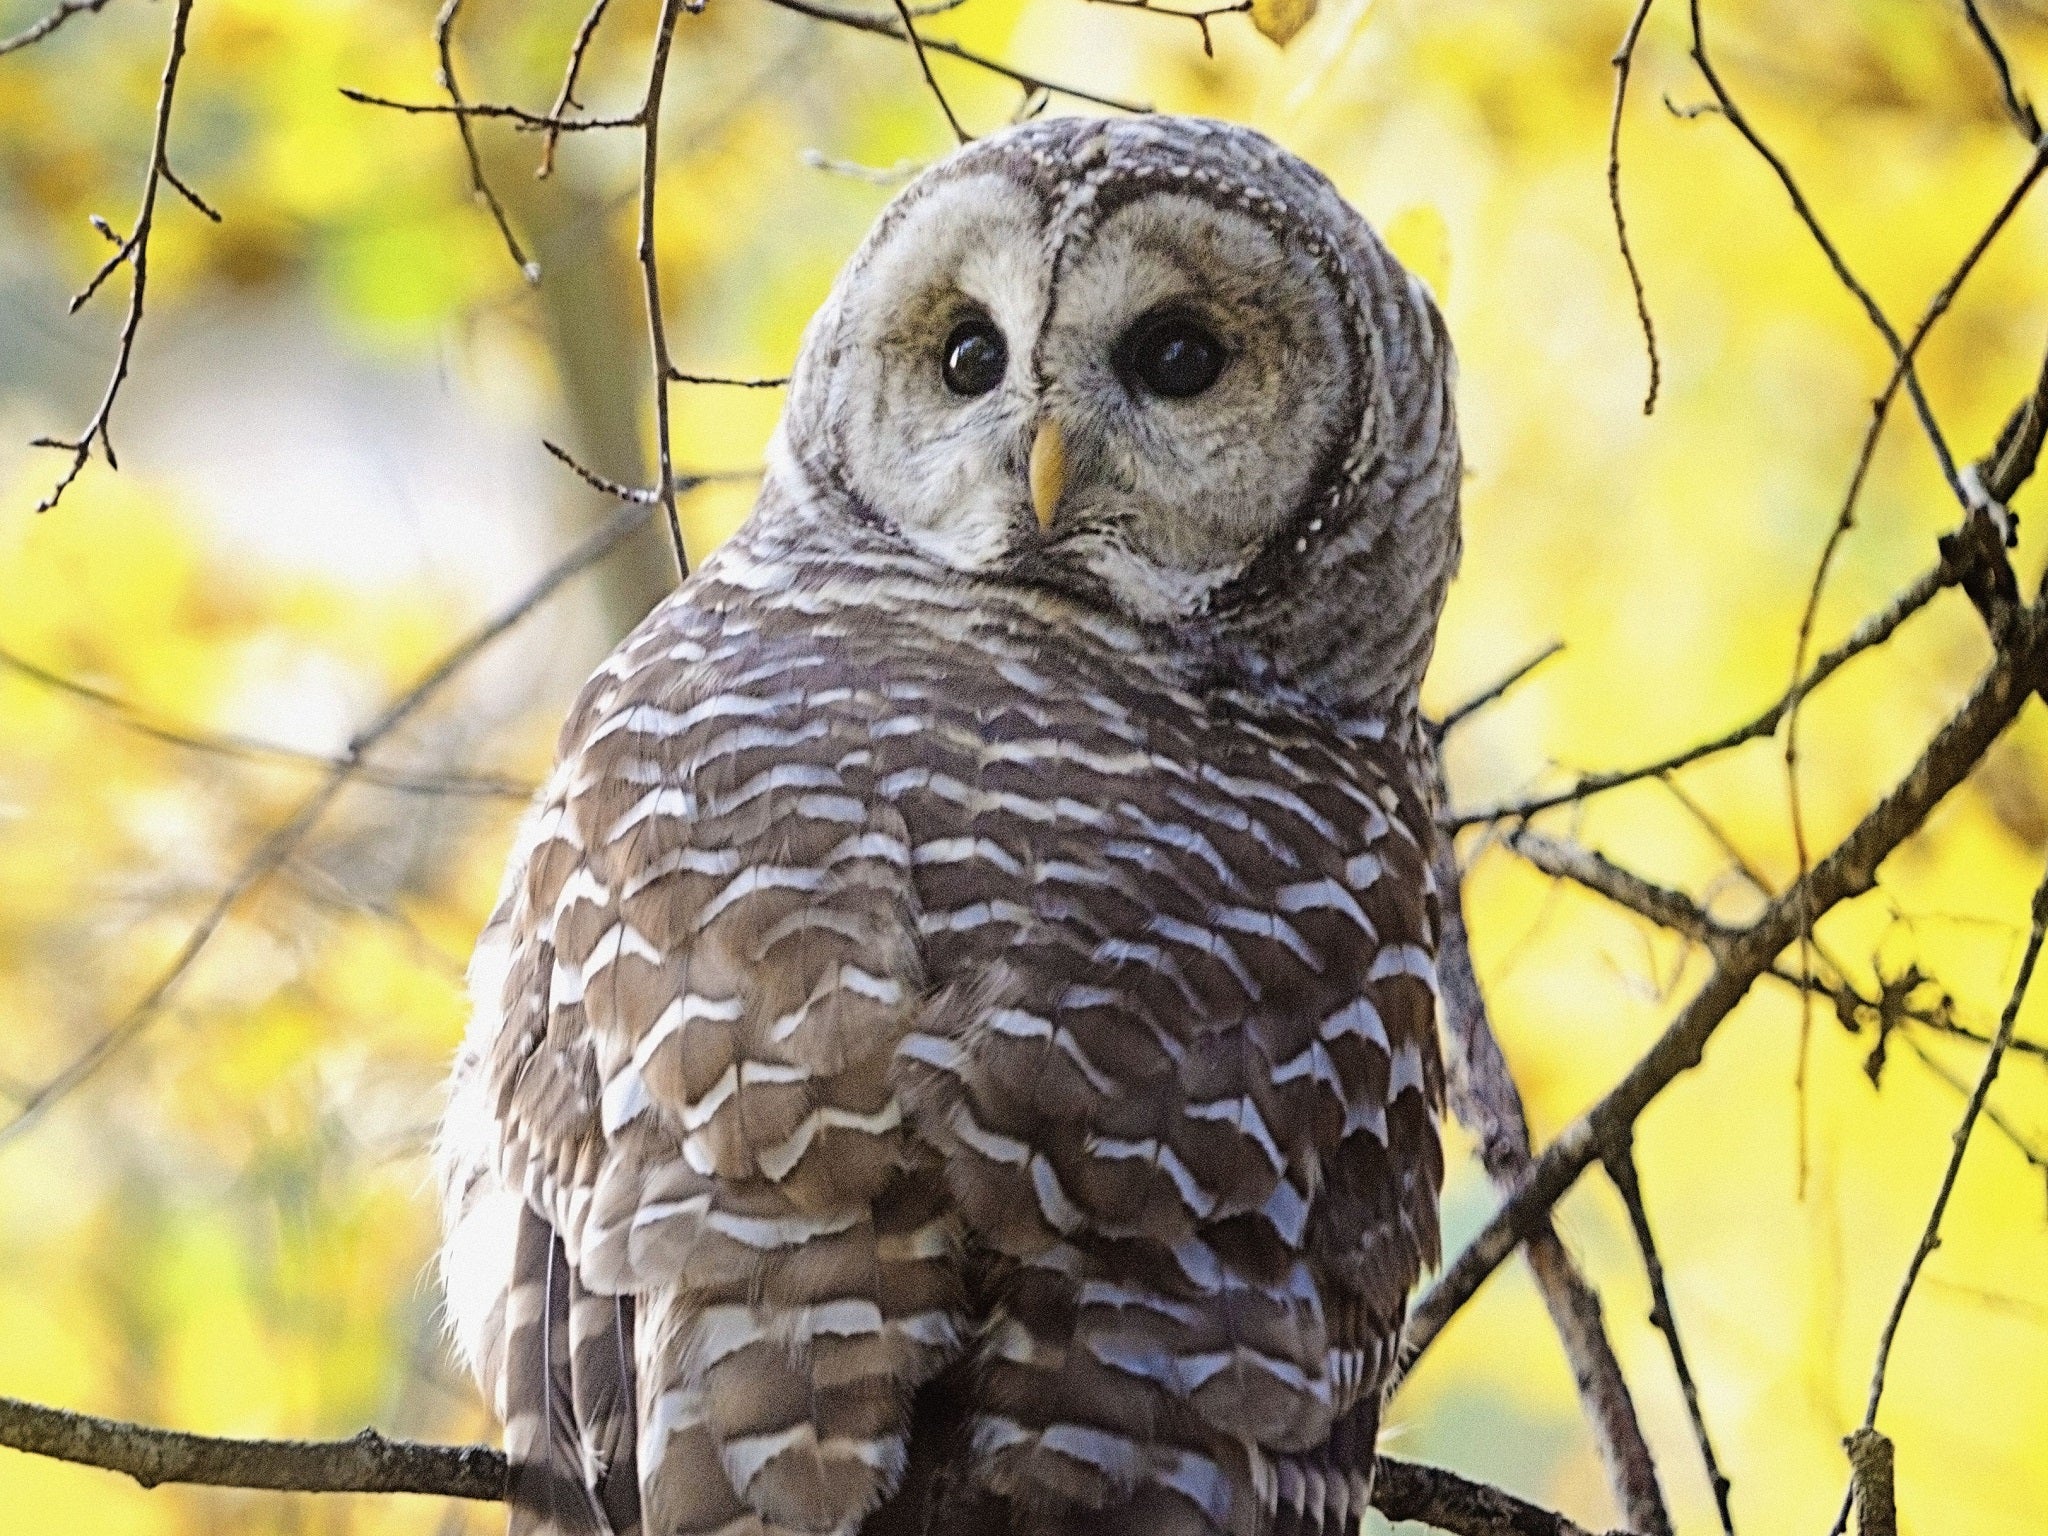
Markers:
point(1155, 365)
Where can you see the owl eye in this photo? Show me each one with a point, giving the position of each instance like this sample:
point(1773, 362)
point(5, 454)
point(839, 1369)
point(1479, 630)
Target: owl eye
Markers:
point(975, 357)
point(1173, 355)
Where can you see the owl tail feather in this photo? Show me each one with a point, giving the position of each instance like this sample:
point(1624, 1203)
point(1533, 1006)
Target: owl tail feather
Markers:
point(569, 1416)
point(1325, 1492)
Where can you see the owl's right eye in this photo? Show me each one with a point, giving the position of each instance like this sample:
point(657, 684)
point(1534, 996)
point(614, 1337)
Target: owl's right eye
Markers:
point(975, 357)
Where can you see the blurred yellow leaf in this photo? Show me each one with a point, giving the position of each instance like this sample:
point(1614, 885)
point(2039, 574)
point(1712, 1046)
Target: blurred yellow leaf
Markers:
point(1281, 19)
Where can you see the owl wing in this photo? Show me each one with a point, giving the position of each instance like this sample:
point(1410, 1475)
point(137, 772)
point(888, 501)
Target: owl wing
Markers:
point(1191, 1104)
point(708, 958)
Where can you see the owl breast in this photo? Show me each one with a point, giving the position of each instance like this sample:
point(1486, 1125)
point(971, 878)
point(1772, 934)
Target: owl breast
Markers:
point(1173, 1060)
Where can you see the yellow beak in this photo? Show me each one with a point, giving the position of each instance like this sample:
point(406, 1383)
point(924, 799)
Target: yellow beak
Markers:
point(1048, 471)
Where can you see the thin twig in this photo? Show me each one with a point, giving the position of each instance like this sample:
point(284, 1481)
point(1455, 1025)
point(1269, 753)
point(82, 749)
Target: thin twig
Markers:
point(1872, 632)
point(283, 840)
point(882, 26)
point(519, 117)
point(1623, 60)
point(2035, 1157)
point(134, 250)
point(2017, 107)
point(1661, 904)
point(644, 495)
point(1848, 279)
point(565, 99)
point(1903, 356)
point(781, 382)
point(1200, 18)
point(1881, 407)
point(1719, 834)
point(650, 267)
point(1484, 1098)
point(1930, 1238)
point(1844, 521)
point(480, 185)
point(873, 175)
point(253, 749)
point(1621, 1169)
point(1462, 712)
point(36, 31)
point(2019, 669)
point(960, 134)
point(1870, 1453)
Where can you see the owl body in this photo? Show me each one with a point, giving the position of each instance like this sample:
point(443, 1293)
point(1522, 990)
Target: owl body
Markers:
point(955, 1050)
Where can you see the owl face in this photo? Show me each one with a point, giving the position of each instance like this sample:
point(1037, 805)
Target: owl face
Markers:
point(1145, 361)
point(1143, 398)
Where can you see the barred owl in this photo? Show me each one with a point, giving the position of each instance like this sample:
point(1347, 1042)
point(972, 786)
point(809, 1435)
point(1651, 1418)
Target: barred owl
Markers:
point(955, 1052)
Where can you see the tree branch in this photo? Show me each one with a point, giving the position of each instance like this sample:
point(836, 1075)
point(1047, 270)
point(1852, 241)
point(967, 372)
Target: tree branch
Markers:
point(650, 265)
point(272, 853)
point(1872, 632)
point(36, 31)
point(369, 1463)
point(2020, 668)
point(372, 1463)
point(1930, 1237)
point(1621, 1169)
point(1623, 60)
point(888, 27)
point(1484, 1098)
point(252, 749)
point(132, 249)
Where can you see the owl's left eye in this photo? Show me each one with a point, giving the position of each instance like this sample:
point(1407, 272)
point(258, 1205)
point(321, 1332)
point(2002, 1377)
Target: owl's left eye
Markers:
point(1173, 355)
point(975, 357)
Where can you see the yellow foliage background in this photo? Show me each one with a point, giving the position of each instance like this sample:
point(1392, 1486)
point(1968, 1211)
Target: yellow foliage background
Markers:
point(332, 471)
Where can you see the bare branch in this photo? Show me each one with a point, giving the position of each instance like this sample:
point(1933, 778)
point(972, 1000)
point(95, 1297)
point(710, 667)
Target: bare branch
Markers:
point(372, 1463)
point(2036, 1158)
point(2010, 463)
point(1870, 1484)
point(565, 99)
point(1621, 1169)
point(1872, 632)
point(2017, 107)
point(1930, 1238)
point(36, 31)
point(1835, 260)
point(525, 121)
point(284, 840)
point(680, 377)
point(1624, 58)
point(1596, 872)
point(252, 749)
point(134, 250)
point(1458, 715)
point(650, 266)
point(444, 45)
point(369, 1463)
point(882, 26)
point(1406, 1490)
point(2020, 668)
point(1846, 518)
point(1484, 1097)
point(960, 134)
point(1200, 18)
point(647, 496)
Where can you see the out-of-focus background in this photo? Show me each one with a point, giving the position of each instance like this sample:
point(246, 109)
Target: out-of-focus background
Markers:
point(332, 469)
